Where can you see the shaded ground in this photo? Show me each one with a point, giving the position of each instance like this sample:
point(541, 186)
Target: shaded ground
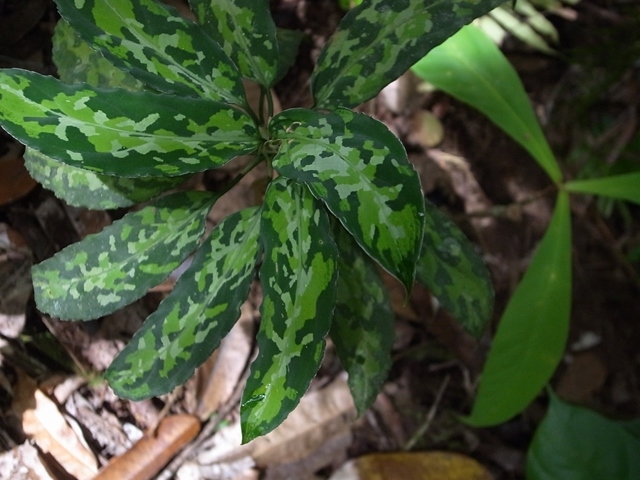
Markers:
point(588, 99)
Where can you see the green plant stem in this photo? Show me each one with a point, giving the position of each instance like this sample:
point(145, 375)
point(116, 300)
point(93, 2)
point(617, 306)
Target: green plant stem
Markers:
point(250, 166)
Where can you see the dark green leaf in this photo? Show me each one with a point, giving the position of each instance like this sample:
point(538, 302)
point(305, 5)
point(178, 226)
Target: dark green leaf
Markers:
point(84, 188)
point(157, 46)
point(362, 327)
point(115, 267)
point(288, 43)
point(360, 170)
point(379, 40)
point(470, 67)
point(573, 443)
point(119, 132)
point(199, 312)
point(453, 271)
point(532, 333)
point(298, 278)
point(623, 187)
point(246, 32)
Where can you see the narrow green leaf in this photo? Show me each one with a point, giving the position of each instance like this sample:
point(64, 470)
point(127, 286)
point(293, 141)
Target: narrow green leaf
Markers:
point(119, 132)
point(453, 271)
point(379, 40)
point(79, 63)
point(288, 44)
point(190, 323)
point(83, 188)
point(115, 267)
point(298, 278)
point(360, 170)
point(573, 443)
point(246, 32)
point(623, 187)
point(362, 327)
point(470, 67)
point(533, 331)
point(157, 46)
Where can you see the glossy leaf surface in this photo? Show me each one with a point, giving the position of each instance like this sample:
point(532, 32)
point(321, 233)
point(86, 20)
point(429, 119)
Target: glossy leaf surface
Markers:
point(574, 443)
point(84, 188)
point(190, 323)
point(119, 132)
point(157, 46)
point(379, 40)
point(470, 67)
point(298, 278)
point(362, 327)
point(532, 332)
point(622, 187)
point(115, 267)
point(246, 32)
point(453, 271)
point(360, 170)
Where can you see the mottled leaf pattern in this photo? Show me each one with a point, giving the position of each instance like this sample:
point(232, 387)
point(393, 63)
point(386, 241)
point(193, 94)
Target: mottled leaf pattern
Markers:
point(298, 278)
point(362, 327)
point(454, 272)
point(78, 63)
point(199, 312)
point(157, 46)
point(83, 188)
point(379, 40)
point(117, 266)
point(120, 132)
point(360, 170)
point(246, 32)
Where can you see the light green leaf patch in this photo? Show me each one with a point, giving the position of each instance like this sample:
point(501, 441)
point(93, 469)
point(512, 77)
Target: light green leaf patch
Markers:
point(246, 32)
point(298, 278)
point(360, 170)
point(118, 132)
point(470, 67)
point(532, 332)
point(190, 323)
point(379, 40)
point(623, 187)
point(157, 46)
point(115, 267)
point(83, 188)
point(452, 270)
point(362, 327)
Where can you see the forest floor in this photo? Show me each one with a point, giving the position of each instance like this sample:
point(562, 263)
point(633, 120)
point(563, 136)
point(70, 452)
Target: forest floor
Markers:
point(57, 413)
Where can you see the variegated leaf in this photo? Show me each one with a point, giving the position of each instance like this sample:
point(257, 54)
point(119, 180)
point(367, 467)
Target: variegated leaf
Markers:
point(119, 132)
point(83, 188)
point(379, 40)
point(452, 270)
point(197, 314)
point(362, 327)
point(360, 170)
point(245, 31)
point(298, 278)
point(117, 266)
point(78, 63)
point(157, 46)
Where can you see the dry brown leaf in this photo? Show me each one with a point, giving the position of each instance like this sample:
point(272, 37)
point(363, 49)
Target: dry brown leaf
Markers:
point(153, 451)
point(23, 463)
point(413, 466)
point(15, 181)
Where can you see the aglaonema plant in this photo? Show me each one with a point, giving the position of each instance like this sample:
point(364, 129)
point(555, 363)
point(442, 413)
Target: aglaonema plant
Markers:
point(148, 97)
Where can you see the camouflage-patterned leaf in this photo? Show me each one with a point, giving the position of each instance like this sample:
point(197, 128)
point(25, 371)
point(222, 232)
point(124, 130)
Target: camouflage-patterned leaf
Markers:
point(360, 170)
point(454, 272)
point(117, 266)
point(157, 46)
point(362, 327)
point(120, 132)
point(288, 43)
point(298, 278)
point(78, 63)
point(199, 312)
point(83, 188)
point(379, 40)
point(245, 31)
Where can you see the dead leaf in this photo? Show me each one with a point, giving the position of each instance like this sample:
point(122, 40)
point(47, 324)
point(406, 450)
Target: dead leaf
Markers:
point(584, 376)
point(23, 463)
point(413, 466)
point(15, 181)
